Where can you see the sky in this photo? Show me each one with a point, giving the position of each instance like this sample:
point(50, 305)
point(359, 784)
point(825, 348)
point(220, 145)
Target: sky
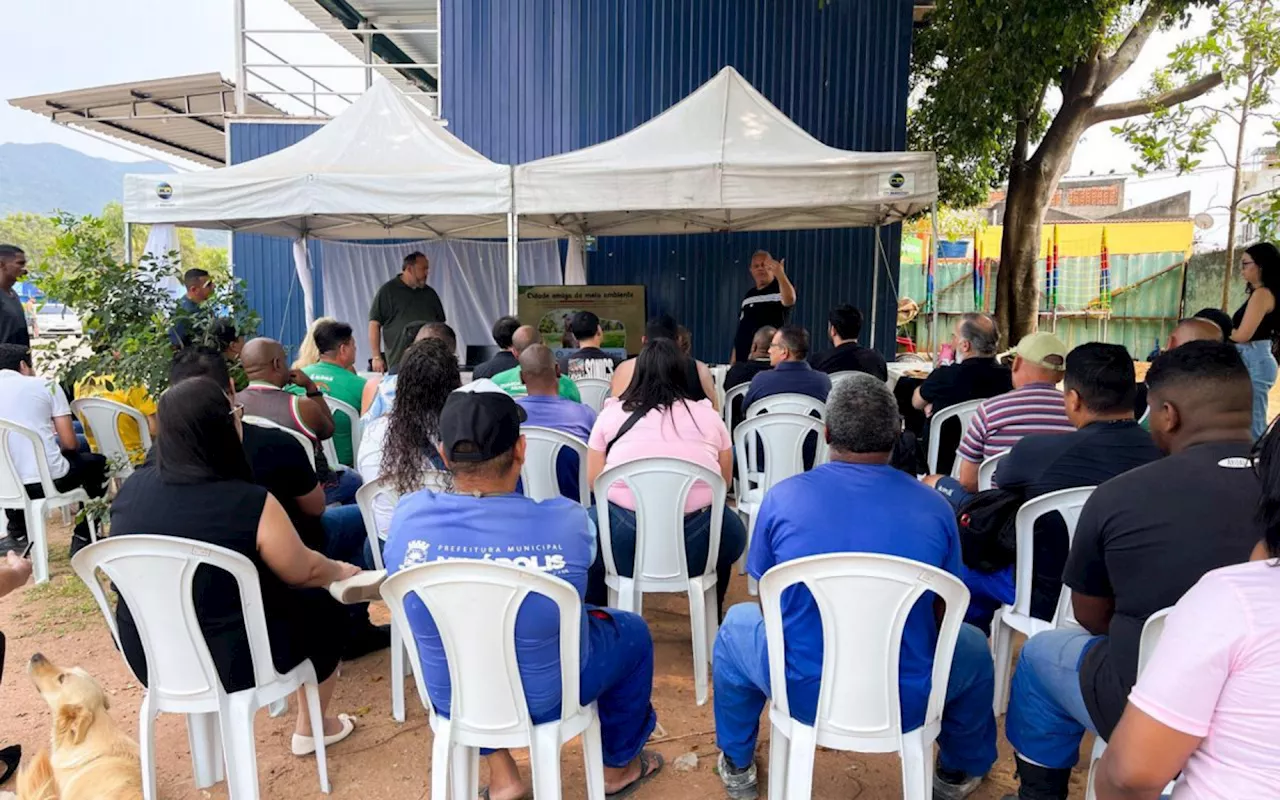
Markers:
point(71, 44)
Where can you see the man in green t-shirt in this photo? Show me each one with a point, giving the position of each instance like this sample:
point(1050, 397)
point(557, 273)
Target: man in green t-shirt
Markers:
point(509, 380)
point(333, 375)
point(404, 299)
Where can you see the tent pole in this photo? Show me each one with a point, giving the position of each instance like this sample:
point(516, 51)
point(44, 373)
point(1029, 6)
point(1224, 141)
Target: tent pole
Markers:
point(875, 290)
point(933, 222)
point(242, 75)
point(513, 264)
point(128, 243)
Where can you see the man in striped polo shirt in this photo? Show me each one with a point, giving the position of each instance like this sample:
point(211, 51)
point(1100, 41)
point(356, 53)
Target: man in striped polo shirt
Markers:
point(1034, 406)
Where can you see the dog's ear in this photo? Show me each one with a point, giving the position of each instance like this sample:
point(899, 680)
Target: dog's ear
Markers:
point(72, 724)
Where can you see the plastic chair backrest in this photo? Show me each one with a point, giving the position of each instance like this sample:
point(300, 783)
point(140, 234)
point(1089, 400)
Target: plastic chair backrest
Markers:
point(1068, 503)
point(154, 575)
point(366, 495)
point(726, 408)
point(839, 377)
point(538, 476)
point(660, 487)
point(960, 411)
point(307, 444)
point(102, 418)
point(337, 406)
point(13, 493)
point(465, 598)
point(863, 600)
point(782, 436)
point(594, 391)
point(1152, 630)
point(788, 403)
point(987, 470)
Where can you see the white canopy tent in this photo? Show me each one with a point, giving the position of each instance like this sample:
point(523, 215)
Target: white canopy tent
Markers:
point(382, 169)
point(722, 159)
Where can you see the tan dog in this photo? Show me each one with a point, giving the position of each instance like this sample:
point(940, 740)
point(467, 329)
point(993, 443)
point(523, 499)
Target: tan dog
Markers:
point(90, 756)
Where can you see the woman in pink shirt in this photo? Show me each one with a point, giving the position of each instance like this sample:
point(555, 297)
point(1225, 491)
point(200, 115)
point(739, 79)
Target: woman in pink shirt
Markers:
point(1207, 705)
point(654, 417)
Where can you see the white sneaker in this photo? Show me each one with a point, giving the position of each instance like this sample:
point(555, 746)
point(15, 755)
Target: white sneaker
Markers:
point(306, 745)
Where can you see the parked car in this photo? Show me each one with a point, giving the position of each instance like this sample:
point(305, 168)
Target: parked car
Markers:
point(55, 319)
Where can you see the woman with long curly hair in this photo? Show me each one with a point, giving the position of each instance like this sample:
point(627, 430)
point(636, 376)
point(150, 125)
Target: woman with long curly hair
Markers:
point(401, 447)
point(1257, 322)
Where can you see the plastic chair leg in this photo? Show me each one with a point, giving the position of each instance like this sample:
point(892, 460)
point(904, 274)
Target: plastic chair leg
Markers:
point(593, 758)
point(466, 772)
point(39, 541)
point(1099, 747)
point(397, 675)
point(779, 758)
point(698, 622)
point(441, 751)
point(917, 766)
point(312, 691)
point(625, 597)
point(804, 745)
point(544, 761)
point(753, 586)
point(205, 740)
point(239, 747)
point(277, 708)
point(147, 745)
point(1002, 653)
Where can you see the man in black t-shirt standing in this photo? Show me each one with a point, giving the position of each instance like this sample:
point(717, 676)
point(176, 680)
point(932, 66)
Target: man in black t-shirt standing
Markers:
point(404, 299)
point(13, 317)
point(769, 302)
point(1143, 539)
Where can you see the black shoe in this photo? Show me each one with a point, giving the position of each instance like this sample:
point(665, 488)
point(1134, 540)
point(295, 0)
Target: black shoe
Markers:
point(14, 544)
point(9, 758)
point(78, 543)
point(366, 639)
point(1041, 783)
point(949, 785)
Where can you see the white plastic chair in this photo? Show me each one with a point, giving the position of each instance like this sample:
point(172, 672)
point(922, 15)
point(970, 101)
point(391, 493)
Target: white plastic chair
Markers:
point(538, 476)
point(594, 391)
point(101, 417)
point(863, 600)
point(307, 444)
point(337, 406)
point(987, 470)
point(781, 437)
point(1017, 617)
point(660, 487)
point(367, 497)
point(726, 408)
point(1152, 630)
point(474, 604)
point(839, 377)
point(154, 576)
point(787, 403)
point(13, 493)
point(960, 411)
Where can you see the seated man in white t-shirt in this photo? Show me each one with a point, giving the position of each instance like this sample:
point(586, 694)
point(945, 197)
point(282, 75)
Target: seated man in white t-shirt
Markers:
point(40, 405)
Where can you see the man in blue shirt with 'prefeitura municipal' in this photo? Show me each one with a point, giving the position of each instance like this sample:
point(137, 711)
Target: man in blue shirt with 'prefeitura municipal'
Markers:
point(857, 503)
point(486, 519)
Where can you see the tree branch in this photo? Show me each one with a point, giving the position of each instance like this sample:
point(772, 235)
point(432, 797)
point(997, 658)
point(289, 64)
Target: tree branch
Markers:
point(1145, 105)
point(1134, 41)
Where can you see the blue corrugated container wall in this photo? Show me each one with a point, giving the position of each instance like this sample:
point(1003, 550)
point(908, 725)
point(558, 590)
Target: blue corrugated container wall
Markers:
point(265, 263)
point(523, 79)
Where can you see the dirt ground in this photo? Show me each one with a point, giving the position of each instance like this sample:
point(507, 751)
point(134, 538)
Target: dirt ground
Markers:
point(383, 759)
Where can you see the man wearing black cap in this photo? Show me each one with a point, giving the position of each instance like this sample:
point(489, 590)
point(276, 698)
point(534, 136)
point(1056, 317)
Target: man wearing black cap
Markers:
point(484, 518)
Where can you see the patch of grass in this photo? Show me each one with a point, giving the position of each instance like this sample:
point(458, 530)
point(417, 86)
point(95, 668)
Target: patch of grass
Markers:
point(63, 605)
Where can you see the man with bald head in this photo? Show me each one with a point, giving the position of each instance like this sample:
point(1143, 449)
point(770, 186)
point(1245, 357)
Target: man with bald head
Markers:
point(545, 408)
point(1194, 329)
point(527, 336)
point(291, 400)
point(1143, 539)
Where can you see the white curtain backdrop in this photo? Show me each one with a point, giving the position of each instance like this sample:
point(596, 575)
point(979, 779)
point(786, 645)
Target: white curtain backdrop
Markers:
point(470, 277)
point(303, 268)
point(162, 240)
point(575, 263)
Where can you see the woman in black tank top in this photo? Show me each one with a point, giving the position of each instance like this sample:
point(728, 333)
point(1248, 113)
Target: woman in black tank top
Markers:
point(1257, 322)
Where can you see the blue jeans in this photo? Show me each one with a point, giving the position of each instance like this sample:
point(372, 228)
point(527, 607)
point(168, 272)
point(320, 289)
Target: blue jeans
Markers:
point(341, 487)
point(967, 742)
point(344, 536)
point(1047, 715)
point(987, 592)
point(697, 529)
point(1262, 373)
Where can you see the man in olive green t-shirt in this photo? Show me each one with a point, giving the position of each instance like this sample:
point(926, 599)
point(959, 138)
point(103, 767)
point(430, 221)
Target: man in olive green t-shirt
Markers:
point(404, 299)
point(333, 375)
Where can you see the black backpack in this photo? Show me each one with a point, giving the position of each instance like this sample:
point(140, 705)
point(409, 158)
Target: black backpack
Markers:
point(988, 533)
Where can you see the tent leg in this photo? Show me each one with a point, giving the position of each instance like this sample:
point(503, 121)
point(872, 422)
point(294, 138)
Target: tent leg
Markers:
point(933, 222)
point(513, 265)
point(128, 243)
point(875, 290)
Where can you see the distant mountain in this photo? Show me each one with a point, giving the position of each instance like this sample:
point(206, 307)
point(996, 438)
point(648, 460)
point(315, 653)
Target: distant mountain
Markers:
point(43, 178)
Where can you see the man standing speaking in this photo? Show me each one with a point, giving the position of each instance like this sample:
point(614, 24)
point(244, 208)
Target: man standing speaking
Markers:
point(769, 302)
point(404, 299)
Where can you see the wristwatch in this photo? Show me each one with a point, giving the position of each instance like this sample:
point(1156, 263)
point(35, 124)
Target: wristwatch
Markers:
point(316, 393)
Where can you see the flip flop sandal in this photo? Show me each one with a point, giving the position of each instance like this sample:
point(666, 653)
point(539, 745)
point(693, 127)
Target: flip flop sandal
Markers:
point(651, 763)
point(9, 758)
point(306, 745)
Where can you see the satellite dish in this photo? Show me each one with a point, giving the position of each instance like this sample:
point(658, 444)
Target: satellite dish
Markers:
point(1203, 221)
